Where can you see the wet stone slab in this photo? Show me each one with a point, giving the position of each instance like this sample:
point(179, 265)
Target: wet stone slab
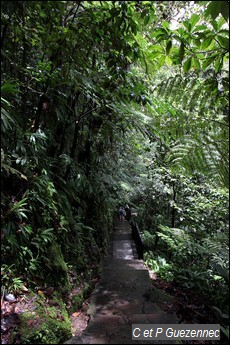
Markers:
point(123, 296)
point(116, 330)
point(122, 250)
point(117, 264)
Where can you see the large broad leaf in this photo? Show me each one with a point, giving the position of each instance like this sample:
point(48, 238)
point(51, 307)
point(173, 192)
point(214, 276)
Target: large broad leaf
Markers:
point(9, 87)
point(200, 28)
point(217, 7)
point(168, 61)
point(155, 47)
point(159, 33)
point(187, 64)
point(188, 25)
point(165, 25)
point(225, 9)
point(146, 20)
point(194, 20)
point(181, 52)
point(168, 47)
point(206, 43)
point(218, 65)
point(224, 41)
point(196, 63)
point(209, 60)
point(213, 9)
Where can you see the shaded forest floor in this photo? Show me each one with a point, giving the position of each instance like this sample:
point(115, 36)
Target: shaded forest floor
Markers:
point(186, 304)
point(30, 314)
point(188, 307)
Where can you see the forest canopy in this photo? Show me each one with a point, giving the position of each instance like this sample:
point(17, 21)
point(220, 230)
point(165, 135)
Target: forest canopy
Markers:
point(111, 102)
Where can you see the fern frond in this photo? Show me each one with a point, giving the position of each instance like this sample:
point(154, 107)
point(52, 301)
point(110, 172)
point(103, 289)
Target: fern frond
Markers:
point(198, 133)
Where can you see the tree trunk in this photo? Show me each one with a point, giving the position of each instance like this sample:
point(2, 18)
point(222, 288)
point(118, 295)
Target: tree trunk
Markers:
point(173, 208)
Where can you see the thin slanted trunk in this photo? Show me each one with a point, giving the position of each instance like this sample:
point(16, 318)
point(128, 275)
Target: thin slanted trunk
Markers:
point(173, 208)
point(76, 130)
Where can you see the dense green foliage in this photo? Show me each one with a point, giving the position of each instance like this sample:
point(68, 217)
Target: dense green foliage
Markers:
point(104, 102)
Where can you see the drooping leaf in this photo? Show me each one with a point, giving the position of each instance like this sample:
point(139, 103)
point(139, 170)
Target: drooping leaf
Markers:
point(224, 41)
point(168, 46)
point(225, 10)
point(187, 64)
point(168, 61)
point(10, 87)
point(206, 43)
point(213, 9)
point(194, 20)
point(181, 51)
point(196, 63)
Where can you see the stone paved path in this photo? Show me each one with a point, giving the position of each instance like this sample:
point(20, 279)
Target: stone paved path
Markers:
point(123, 296)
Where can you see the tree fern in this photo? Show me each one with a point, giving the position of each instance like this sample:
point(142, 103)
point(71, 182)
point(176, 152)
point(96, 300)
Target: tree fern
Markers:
point(199, 131)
